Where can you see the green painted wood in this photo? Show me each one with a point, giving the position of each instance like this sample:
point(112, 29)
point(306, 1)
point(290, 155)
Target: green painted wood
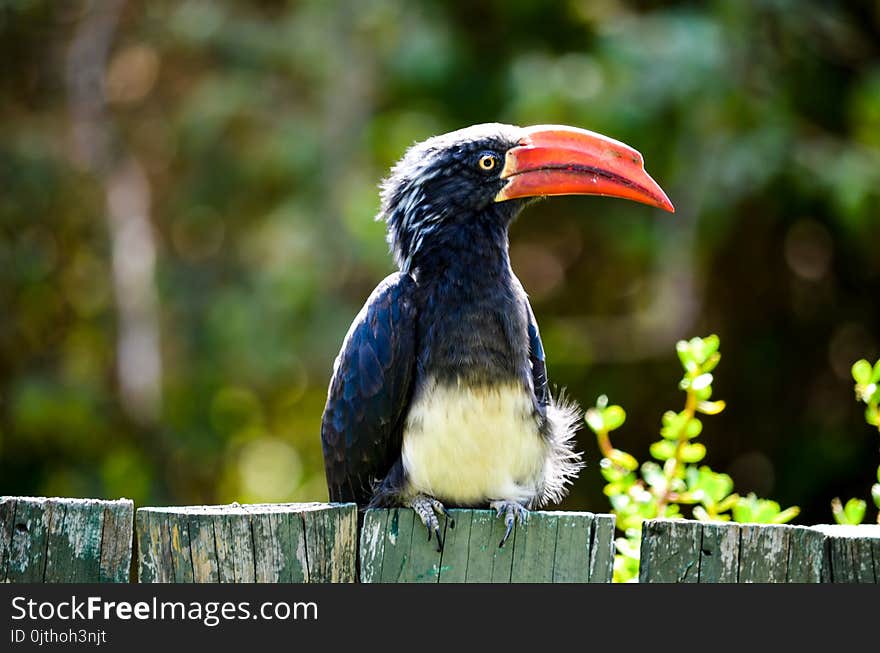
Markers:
point(852, 553)
point(456, 542)
point(331, 543)
point(372, 545)
point(7, 525)
point(177, 526)
point(670, 551)
point(147, 573)
point(73, 552)
point(206, 568)
point(408, 556)
point(806, 556)
point(55, 540)
point(116, 542)
point(225, 546)
point(243, 558)
point(487, 562)
point(574, 539)
point(719, 553)
point(396, 546)
point(761, 553)
point(534, 548)
point(423, 559)
point(298, 559)
point(26, 550)
point(549, 547)
point(261, 543)
point(602, 549)
point(270, 564)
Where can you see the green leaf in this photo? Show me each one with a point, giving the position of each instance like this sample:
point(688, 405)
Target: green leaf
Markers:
point(614, 417)
point(702, 381)
point(615, 489)
point(704, 394)
point(861, 372)
point(711, 407)
point(711, 362)
point(751, 509)
point(686, 356)
point(855, 511)
point(610, 471)
point(875, 375)
point(623, 459)
point(698, 349)
point(872, 415)
point(711, 343)
point(715, 486)
point(653, 475)
point(786, 515)
point(875, 494)
point(663, 450)
point(628, 547)
point(727, 503)
point(837, 511)
point(618, 501)
point(669, 418)
point(700, 514)
point(694, 428)
point(693, 452)
point(688, 498)
point(672, 424)
point(594, 420)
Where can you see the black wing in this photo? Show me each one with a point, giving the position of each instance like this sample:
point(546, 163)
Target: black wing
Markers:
point(536, 357)
point(361, 430)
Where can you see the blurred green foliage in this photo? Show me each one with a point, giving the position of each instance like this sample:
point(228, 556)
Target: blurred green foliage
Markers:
point(867, 378)
point(250, 135)
point(653, 490)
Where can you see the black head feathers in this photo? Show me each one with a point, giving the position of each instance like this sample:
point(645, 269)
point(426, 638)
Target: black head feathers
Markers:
point(441, 181)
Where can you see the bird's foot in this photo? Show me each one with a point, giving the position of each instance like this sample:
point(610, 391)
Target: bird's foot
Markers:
point(427, 508)
point(512, 511)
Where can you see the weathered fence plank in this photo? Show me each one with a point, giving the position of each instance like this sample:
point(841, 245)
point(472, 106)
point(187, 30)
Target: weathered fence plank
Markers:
point(853, 553)
point(88, 540)
point(670, 552)
point(574, 539)
point(675, 551)
point(262, 543)
point(602, 549)
point(549, 547)
point(719, 554)
point(806, 556)
point(763, 553)
point(55, 540)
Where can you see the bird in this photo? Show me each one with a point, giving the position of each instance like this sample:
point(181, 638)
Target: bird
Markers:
point(439, 396)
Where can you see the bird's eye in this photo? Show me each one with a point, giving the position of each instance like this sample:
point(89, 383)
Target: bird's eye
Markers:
point(487, 162)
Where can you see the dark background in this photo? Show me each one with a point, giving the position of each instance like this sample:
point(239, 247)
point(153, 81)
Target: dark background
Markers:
point(186, 201)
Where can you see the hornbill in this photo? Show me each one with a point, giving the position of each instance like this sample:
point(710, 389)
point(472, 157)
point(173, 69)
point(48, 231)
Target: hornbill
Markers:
point(439, 395)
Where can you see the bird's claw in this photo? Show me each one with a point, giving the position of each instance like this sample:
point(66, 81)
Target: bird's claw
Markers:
point(512, 512)
point(449, 518)
point(427, 509)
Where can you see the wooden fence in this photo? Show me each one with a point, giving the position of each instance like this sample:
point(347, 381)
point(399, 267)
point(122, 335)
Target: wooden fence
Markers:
point(550, 547)
point(65, 540)
point(89, 540)
point(679, 551)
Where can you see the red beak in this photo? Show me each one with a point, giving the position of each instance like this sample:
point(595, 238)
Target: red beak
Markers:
point(560, 160)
